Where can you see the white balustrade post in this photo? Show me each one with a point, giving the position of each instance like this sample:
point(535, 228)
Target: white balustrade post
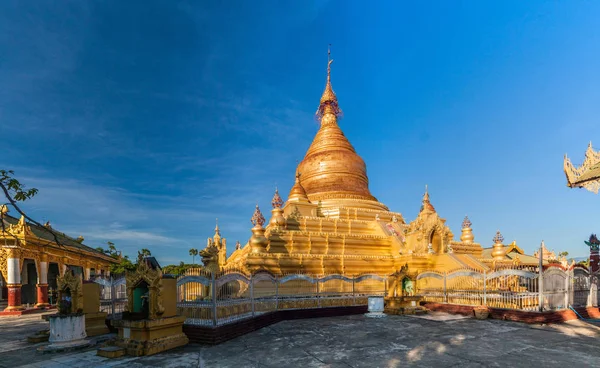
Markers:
point(214, 298)
point(445, 290)
point(318, 294)
point(541, 278)
point(276, 293)
point(354, 291)
point(567, 288)
point(484, 288)
point(113, 297)
point(252, 294)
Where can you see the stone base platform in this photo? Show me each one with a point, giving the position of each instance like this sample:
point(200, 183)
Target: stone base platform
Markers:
point(148, 337)
point(111, 352)
point(95, 324)
point(65, 347)
point(21, 312)
point(403, 305)
point(41, 336)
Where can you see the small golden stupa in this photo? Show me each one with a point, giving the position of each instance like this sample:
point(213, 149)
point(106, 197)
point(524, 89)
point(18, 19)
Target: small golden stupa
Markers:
point(331, 223)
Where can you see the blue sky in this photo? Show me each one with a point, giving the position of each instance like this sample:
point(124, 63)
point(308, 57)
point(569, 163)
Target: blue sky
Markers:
point(141, 122)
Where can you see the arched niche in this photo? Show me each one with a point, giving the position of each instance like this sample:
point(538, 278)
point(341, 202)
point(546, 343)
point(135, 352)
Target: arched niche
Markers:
point(141, 306)
point(436, 241)
point(70, 294)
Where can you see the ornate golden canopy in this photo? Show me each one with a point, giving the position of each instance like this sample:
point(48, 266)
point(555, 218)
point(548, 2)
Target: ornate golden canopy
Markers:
point(587, 175)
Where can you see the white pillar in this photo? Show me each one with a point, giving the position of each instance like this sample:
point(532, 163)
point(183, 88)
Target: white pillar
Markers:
point(14, 271)
point(87, 273)
point(43, 276)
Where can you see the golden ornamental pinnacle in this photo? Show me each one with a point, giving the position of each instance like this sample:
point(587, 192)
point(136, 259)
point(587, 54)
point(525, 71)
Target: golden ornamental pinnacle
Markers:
point(426, 203)
point(257, 218)
point(217, 232)
point(277, 202)
point(466, 222)
point(329, 102)
point(498, 238)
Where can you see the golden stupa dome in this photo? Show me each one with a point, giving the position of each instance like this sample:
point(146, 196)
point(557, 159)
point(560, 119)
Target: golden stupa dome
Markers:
point(331, 167)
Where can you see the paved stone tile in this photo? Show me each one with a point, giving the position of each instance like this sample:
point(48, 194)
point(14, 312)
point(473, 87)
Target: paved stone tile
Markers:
point(353, 341)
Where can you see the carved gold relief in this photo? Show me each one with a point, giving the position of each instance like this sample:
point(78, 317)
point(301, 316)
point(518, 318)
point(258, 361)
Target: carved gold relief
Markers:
point(153, 278)
point(73, 284)
point(4, 264)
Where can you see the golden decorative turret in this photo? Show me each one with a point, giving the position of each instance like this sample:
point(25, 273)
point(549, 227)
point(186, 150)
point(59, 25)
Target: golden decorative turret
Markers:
point(467, 233)
point(427, 206)
point(331, 169)
point(277, 218)
point(258, 242)
point(498, 251)
point(297, 193)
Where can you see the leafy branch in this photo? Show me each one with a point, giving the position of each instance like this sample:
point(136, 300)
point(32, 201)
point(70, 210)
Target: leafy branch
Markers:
point(15, 192)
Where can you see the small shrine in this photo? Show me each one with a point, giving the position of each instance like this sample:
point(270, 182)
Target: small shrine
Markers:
point(67, 327)
point(150, 323)
point(401, 298)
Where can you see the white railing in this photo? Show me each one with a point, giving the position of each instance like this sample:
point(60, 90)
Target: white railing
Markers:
point(217, 299)
point(521, 288)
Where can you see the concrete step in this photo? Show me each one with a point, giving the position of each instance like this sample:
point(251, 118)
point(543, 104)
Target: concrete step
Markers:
point(111, 352)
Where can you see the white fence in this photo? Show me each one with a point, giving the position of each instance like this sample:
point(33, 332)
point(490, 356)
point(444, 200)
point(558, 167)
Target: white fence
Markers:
point(522, 288)
point(113, 295)
point(213, 300)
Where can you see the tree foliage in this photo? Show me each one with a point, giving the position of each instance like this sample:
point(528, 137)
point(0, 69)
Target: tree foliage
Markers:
point(193, 253)
point(125, 263)
point(178, 269)
point(15, 191)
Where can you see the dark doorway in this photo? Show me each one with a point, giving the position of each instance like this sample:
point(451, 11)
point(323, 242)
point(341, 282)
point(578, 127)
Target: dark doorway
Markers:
point(29, 278)
point(52, 275)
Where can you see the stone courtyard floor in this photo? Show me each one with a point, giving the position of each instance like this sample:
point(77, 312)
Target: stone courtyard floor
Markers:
point(434, 340)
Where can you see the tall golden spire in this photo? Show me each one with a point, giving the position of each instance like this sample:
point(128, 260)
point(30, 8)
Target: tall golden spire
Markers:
point(331, 168)
point(426, 203)
point(329, 102)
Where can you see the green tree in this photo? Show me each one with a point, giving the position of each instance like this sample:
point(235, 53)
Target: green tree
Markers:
point(15, 191)
point(563, 254)
point(124, 263)
point(193, 253)
point(145, 252)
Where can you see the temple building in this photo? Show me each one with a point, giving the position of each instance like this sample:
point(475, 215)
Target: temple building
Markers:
point(332, 223)
point(587, 175)
point(31, 259)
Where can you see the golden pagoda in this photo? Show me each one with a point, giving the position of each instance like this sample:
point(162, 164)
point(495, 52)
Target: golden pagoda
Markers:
point(331, 223)
point(587, 175)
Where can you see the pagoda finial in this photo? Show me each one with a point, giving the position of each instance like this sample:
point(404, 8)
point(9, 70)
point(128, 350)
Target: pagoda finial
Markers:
point(329, 102)
point(466, 222)
point(498, 238)
point(426, 203)
point(329, 61)
point(276, 202)
point(217, 232)
point(466, 231)
point(257, 218)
